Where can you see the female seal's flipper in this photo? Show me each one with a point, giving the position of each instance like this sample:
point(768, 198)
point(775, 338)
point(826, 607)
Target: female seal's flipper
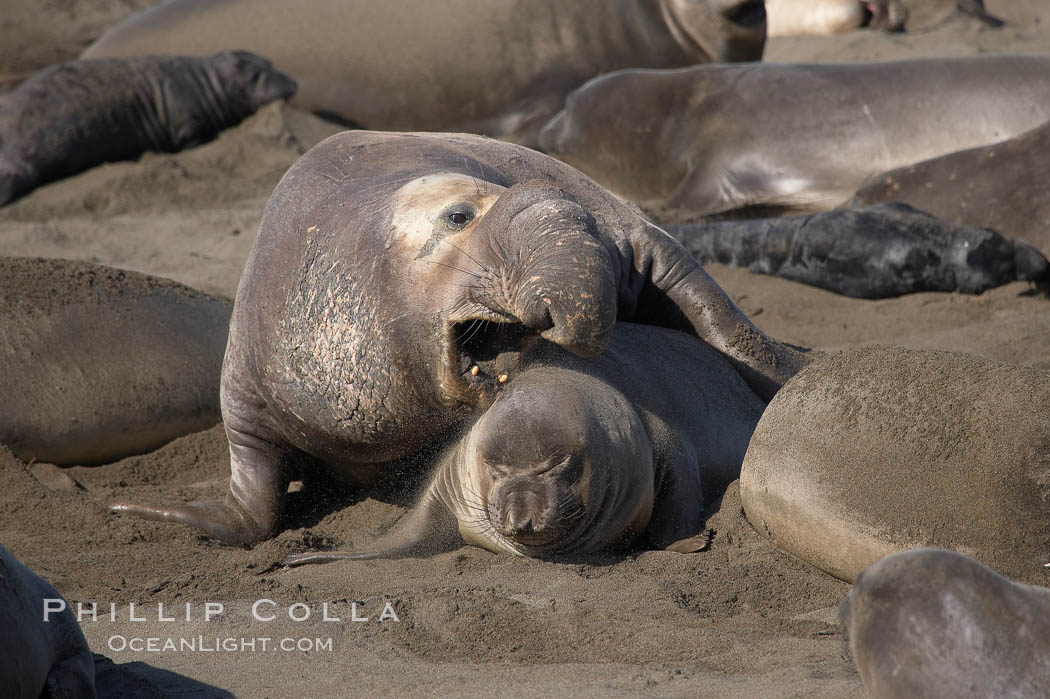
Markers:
point(427, 529)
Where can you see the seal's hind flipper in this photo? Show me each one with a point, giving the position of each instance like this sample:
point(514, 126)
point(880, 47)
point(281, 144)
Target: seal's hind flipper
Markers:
point(693, 544)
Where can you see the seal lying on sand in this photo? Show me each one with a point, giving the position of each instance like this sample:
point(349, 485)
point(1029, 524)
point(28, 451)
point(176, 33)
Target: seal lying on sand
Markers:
point(868, 452)
point(391, 277)
point(786, 138)
point(1002, 186)
point(802, 17)
point(495, 67)
point(100, 363)
point(73, 116)
point(577, 455)
point(44, 654)
point(933, 623)
point(871, 252)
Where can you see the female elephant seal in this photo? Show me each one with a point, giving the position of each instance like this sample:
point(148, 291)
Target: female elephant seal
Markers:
point(100, 363)
point(868, 452)
point(44, 654)
point(934, 623)
point(496, 67)
point(73, 116)
point(578, 455)
point(714, 140)
point(1000, 186)
point(391, 277)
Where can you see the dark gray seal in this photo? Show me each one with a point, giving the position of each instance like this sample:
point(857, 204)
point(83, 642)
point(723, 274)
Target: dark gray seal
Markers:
point(786, 138)
point(392, 276)
point(934, 623)
point(98, 363)
point(73, 116)
point(581, 455)
point(869, 252)
point(868, 452)
point(999, 186)
point(44, 654)
point(496, 67)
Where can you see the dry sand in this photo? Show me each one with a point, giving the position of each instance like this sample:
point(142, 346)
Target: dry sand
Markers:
point(739, 619)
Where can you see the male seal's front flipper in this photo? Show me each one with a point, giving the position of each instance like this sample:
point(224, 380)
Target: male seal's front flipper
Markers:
point(428, 529)
point(253, 504)
point(677, 292)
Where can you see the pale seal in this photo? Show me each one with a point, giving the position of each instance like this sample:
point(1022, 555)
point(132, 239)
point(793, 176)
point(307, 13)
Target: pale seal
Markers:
point(1000, 186)
point(868, 252)
point(100, 363)
point(934, 623)
point(496, 67)
point(803, 17)
point(869, 452)
point(388, 266)
point(73, 116)
point(580, 455)
point(45, 653)
point(784, 138)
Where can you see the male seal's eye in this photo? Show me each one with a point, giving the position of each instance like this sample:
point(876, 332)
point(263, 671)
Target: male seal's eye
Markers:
point(459, 215)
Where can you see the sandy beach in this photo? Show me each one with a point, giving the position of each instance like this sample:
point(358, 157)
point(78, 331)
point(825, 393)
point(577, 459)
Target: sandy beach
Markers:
point(739, 619)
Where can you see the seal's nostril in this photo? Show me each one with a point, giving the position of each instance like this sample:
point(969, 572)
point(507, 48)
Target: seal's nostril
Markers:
point(747, 14)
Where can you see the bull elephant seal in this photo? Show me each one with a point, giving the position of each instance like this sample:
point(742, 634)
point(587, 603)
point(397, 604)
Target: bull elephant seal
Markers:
point(100, 363)
point(496, 67)
point(869, 452)
point(73, 116)
point(934, 623)
point(579, 455)
point(391, 277)
point(45, 654)
point(1000, 186)
point(868, 252)
point(721, 140)
point(802, 17)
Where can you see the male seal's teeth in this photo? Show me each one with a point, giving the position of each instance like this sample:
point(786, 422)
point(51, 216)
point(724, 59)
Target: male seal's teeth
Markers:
point(474, 370)
point(502, 378)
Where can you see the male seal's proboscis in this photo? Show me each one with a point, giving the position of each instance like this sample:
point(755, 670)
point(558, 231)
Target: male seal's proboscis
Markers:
point(496, 67)
point(396, 275)
point(40, 657)
point(581, 455)
point(935, 623)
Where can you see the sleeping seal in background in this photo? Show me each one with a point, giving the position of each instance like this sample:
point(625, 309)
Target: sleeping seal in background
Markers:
point(868, 252)
point(786, 138)
point(99, 363)
point(73, 116)
point(934, 623)
point(580, 455)
point(44, 654)
point(500, 68)
point(394, 273)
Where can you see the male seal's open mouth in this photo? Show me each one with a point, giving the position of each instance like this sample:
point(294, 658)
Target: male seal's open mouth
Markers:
point(480, 356)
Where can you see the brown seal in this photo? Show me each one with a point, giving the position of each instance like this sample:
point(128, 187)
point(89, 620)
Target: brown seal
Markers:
point(496, 67)
point(934, 623)
point(581, 455)
point(783, 138)
point(388, 266)
point(100, 363)
point(999, 186)
point(868, 452)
